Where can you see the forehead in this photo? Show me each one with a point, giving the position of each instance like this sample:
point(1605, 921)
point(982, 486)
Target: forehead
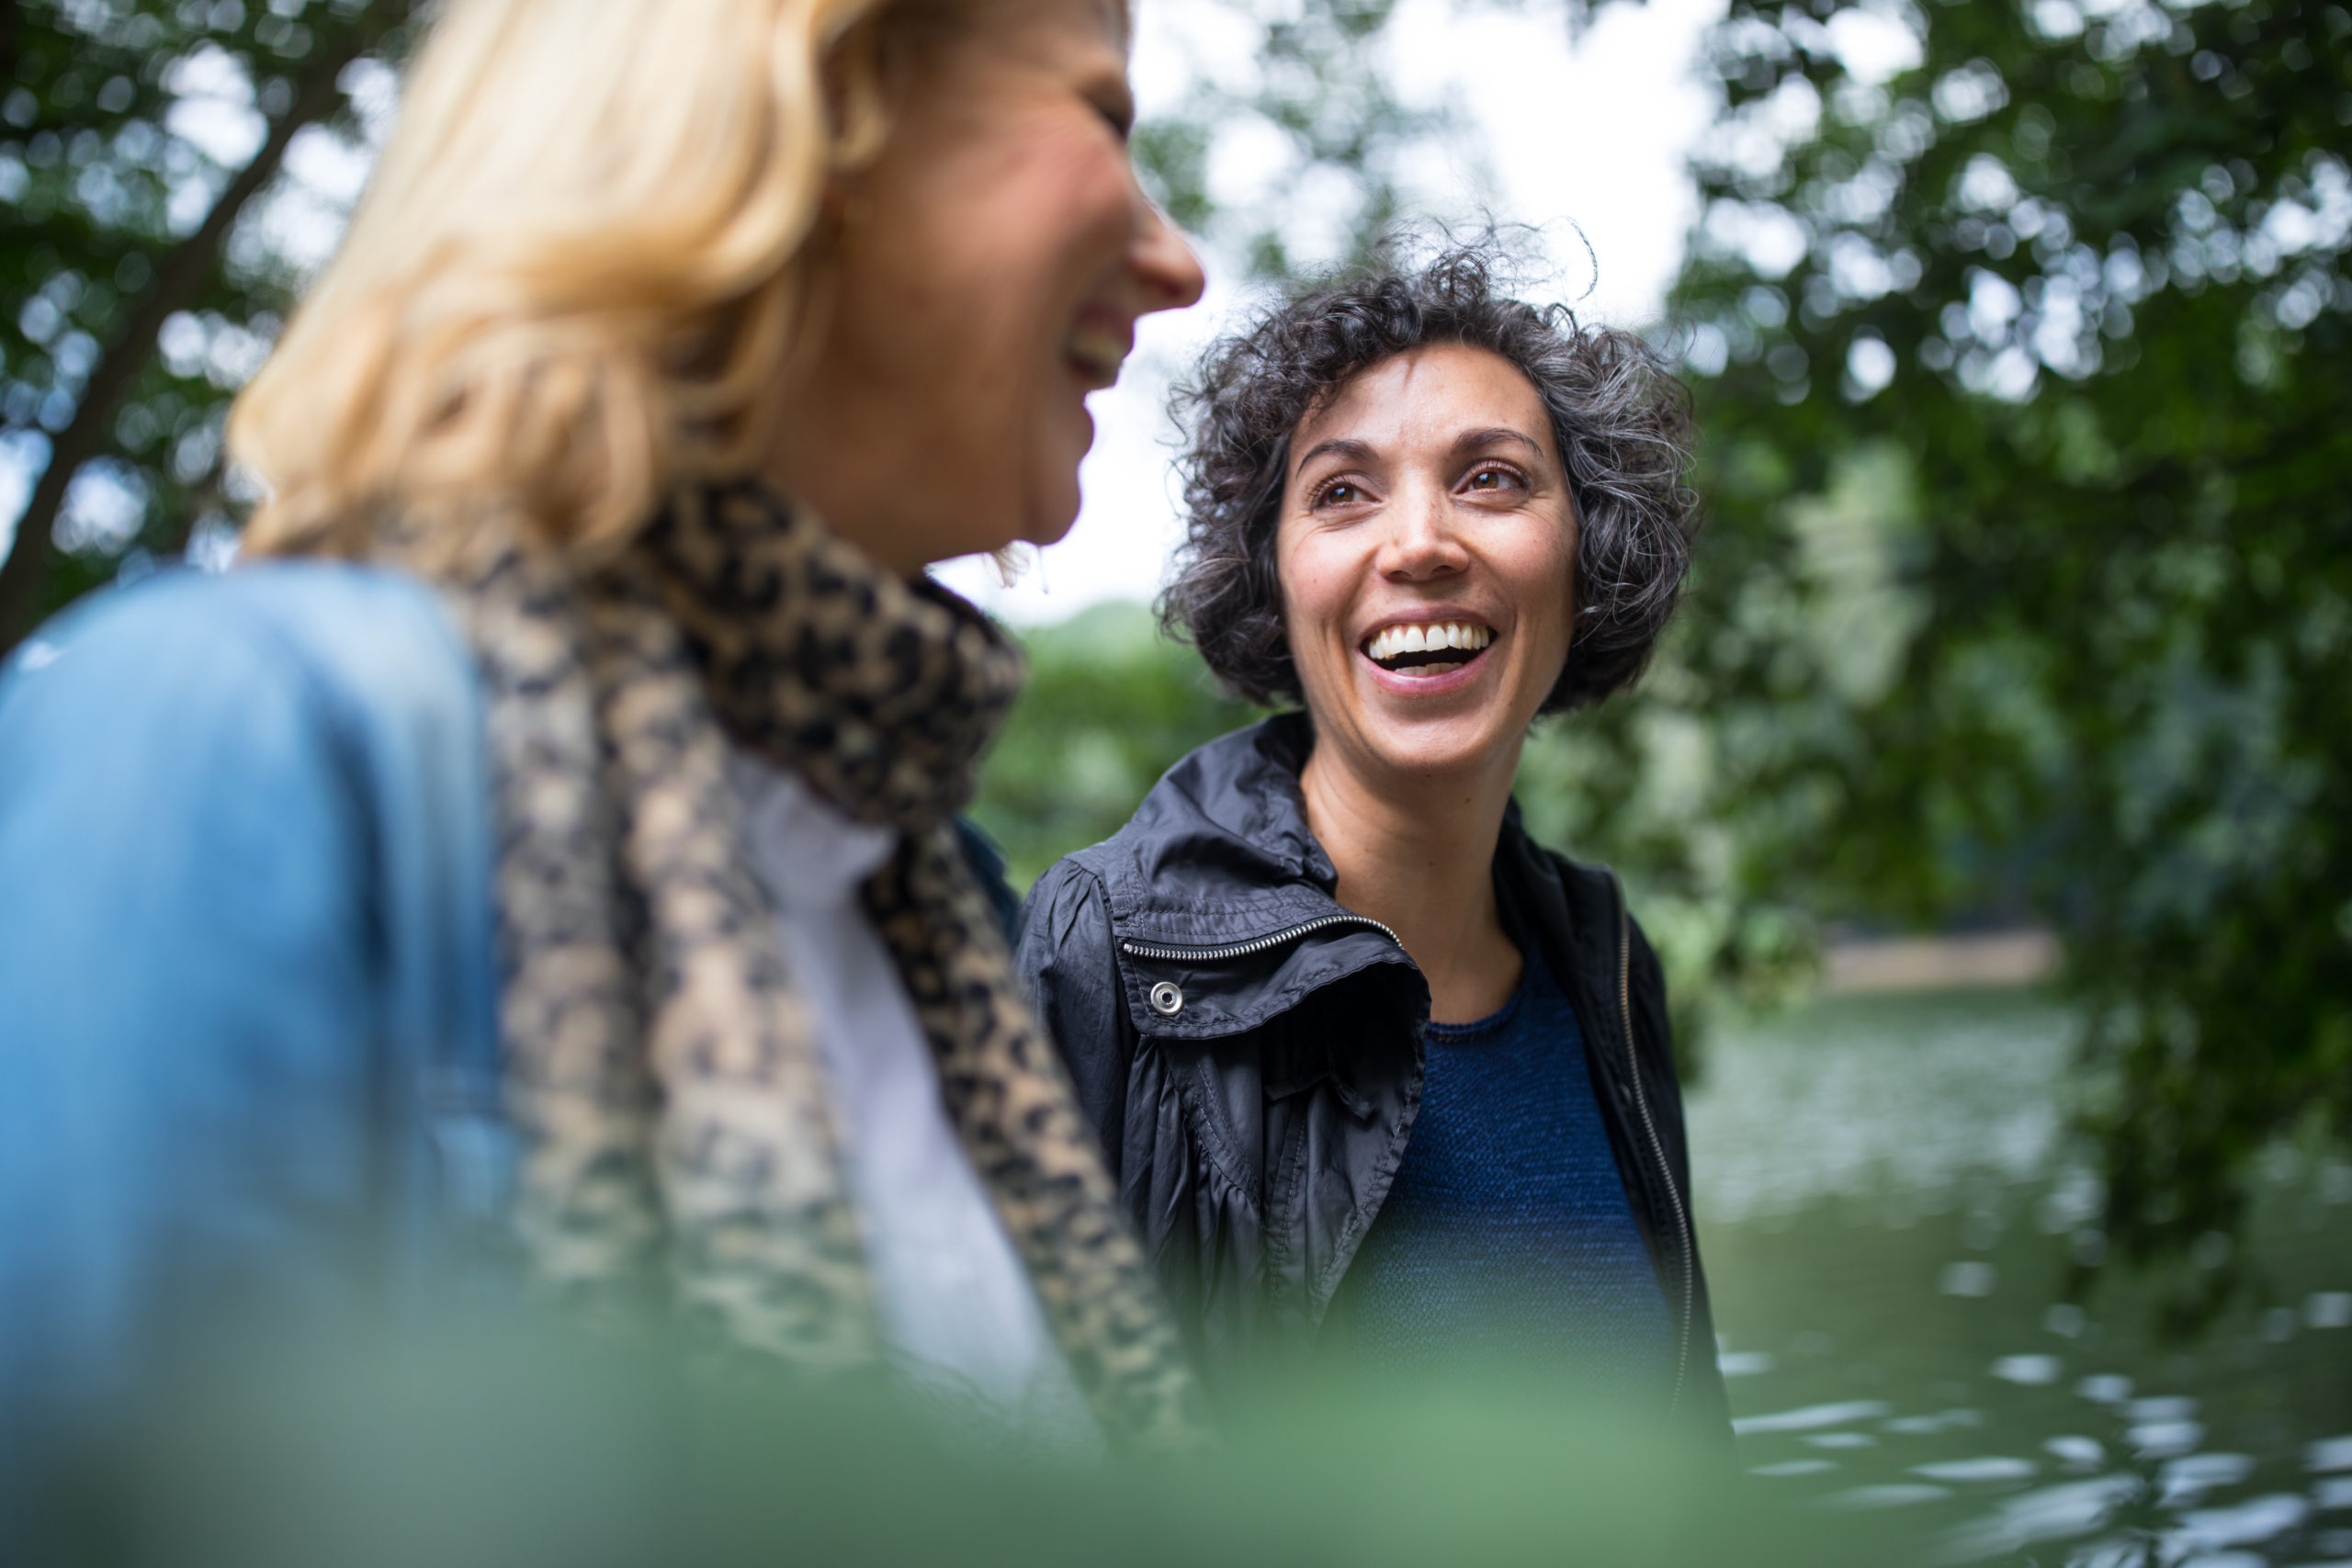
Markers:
point(1087, 22)
point(1431, 393)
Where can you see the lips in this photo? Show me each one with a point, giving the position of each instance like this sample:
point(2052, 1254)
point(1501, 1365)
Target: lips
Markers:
point(1427, 648)
point(1094, 350)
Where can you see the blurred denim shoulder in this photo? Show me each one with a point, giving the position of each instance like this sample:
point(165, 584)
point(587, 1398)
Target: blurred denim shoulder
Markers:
point(248, 1044)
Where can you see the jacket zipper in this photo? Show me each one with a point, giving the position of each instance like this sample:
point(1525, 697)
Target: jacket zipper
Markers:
point(1665, 1169)
point(1258, 944)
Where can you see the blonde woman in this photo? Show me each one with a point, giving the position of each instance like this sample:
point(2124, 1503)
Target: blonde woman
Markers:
point(548, 831)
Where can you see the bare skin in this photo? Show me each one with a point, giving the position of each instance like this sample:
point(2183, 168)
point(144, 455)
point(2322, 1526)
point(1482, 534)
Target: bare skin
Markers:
point(1428, 493)
point(985, 276)
point(1424, 868)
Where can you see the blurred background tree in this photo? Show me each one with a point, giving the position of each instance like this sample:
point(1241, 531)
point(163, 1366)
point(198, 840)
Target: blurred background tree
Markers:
point(2029, 581)
point(142, 149)
point(1109, 705)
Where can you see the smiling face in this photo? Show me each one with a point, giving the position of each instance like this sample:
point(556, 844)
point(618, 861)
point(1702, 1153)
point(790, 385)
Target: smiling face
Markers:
point(1427, 555)
point(990, 267)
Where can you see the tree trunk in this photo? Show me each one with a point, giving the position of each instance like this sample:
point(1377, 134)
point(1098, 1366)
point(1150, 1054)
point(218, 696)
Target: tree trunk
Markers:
point(11, 22)
point(178, 281)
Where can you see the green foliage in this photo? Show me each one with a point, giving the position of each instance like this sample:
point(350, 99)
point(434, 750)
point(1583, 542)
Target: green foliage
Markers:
point(1319, 98)
point(2030, 577)
point(136, 294)
point(1109, 705)
point(520, 1440)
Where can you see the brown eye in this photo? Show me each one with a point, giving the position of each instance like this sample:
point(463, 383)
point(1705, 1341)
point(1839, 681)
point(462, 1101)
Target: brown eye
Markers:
point(1340, 494)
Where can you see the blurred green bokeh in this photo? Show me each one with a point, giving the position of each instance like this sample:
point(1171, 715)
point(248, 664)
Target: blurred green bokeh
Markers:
point(523, 1445)
point(1110, 705)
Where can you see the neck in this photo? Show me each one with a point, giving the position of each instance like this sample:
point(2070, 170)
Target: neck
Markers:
point(1415, 852)
point(823, 470)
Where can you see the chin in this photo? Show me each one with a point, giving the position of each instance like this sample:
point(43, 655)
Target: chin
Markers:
point(1442, 749)
point(1053, 513)
point(1044, 533)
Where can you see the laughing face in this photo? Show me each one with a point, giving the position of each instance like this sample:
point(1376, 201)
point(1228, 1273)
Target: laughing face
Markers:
point(1427, 553)
point(991, 267)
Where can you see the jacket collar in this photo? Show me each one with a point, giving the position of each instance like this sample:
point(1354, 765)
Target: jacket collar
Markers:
point(1219, 852)
point(1219, 858)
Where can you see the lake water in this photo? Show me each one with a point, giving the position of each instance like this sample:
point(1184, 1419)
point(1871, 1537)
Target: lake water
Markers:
point(1890, 1207)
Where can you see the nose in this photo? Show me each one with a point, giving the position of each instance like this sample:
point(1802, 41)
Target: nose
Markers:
point(1161, 261)
point(1419, 543)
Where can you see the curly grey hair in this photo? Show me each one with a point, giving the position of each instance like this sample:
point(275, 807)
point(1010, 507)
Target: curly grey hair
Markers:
point(1621, 421)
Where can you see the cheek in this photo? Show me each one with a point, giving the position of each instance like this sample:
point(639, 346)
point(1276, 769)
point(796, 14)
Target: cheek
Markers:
point(1312, 595)
point(1317, 591)
point(1552, 584)
point(987, 226)
point(1053, 216)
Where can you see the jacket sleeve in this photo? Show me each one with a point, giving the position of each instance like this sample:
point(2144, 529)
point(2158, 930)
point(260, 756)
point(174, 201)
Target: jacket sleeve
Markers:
point(189, 1079)
point(1066, 960)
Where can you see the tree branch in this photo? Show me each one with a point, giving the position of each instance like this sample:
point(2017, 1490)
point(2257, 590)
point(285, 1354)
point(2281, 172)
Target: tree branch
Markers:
point(178, 281)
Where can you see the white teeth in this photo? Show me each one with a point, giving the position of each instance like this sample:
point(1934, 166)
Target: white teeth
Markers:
point(1395, 641)
point(1098, 349)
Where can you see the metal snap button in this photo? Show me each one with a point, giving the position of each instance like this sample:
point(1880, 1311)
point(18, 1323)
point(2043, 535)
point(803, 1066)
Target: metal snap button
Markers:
point(1166, 999)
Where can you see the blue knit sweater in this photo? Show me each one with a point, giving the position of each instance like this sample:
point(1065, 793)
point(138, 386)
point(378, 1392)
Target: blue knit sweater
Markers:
point(1506, 1237)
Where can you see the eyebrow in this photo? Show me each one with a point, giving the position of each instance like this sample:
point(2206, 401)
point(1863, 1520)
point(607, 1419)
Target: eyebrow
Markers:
point(1471, 440)
point(1343, 447)
point(1357, 451)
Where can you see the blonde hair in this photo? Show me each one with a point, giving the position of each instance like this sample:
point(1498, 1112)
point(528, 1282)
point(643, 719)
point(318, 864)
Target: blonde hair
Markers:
point(577, 273)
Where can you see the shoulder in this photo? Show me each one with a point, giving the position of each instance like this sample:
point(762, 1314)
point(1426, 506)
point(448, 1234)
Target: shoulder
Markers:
point(1067, 914)
point(1570, 897)
point(277, 720)
point(1226, 824)
point(240, 672)
point(1598, 896)
point(303, 632)
point(277, 771)
point(1582, 908)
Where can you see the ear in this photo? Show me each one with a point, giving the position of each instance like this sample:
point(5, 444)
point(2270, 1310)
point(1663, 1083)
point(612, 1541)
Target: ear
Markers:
point(858, 81)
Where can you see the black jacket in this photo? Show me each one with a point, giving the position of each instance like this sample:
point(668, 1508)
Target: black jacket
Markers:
point(1251, 1052)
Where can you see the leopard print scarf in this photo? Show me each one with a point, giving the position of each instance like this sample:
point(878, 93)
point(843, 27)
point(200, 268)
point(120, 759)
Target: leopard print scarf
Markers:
point(661, 1066)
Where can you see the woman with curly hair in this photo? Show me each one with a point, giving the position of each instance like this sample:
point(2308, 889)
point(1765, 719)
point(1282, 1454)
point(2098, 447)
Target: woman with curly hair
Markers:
point(548, 831)
point(1372, 1066)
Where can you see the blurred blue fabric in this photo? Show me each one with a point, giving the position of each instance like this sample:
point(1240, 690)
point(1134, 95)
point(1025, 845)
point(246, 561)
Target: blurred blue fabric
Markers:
point(248, 1035)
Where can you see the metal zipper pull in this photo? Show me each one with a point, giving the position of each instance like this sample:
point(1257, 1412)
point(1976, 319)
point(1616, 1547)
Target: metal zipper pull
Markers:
point(1257, 944)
